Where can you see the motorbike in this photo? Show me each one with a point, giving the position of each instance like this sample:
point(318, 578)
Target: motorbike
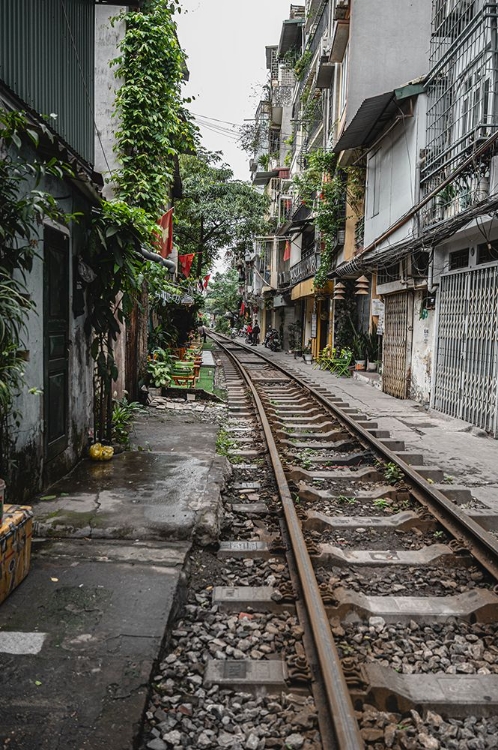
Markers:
point(268, 337)
point(275, 343)
point(272, 340)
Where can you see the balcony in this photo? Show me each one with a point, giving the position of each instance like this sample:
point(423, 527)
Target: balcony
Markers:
point(305, 268)
point(340, 39)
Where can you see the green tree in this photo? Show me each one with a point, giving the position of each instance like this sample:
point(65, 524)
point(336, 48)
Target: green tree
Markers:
point(216, 213)
point(223, 293)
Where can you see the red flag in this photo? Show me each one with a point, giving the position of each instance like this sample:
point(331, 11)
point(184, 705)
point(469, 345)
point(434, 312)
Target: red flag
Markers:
point(166, 236)
point(242, 308)
point(287, 250)
point(206, 280)
point(186, 263)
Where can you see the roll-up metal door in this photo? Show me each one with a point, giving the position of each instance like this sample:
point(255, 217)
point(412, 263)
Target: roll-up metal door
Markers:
point(466, 364)
point(396, 344)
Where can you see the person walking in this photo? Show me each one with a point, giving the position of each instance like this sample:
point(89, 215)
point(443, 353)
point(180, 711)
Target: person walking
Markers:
point(202, 332)
point(255, 334)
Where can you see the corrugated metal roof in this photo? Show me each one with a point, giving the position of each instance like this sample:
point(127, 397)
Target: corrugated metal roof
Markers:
point(47, 59)
point(373, 116)
point(368, 120)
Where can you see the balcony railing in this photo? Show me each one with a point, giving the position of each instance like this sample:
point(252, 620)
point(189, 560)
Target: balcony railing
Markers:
point(306, 267)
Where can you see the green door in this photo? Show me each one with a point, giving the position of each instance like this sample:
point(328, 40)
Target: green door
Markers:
point(56, 328)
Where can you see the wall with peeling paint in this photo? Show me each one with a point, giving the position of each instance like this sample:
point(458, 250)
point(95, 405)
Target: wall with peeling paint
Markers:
point(422, 350)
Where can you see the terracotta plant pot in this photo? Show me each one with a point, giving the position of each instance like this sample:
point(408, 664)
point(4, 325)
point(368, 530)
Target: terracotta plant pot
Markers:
point(359, 364)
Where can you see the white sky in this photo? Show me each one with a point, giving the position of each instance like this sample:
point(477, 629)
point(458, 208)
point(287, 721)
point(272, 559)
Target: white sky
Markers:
point(225, 42)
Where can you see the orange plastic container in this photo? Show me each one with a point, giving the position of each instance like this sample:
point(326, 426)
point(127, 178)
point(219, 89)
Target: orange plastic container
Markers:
point(16, 531)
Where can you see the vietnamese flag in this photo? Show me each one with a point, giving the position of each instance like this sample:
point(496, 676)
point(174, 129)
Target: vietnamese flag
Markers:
point(186, 263)
point(287, 250)
point(242, 308)
point(206, 280)
point(166, 233)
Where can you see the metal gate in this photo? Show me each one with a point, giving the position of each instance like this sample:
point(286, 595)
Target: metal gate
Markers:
point(466, 364)
point(396, 344)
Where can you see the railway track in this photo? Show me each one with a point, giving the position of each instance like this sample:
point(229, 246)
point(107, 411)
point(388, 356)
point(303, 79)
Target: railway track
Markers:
point(354, 599)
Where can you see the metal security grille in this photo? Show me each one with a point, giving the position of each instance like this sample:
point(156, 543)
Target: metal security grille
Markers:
point(466, 366)
point(396, 345)
point(462, 102)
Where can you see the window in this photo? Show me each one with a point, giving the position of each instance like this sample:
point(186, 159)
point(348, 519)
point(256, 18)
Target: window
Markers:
point(420, 263)
point(487, 253)
point(308, 242)
point(389, 274)
point(459, 259)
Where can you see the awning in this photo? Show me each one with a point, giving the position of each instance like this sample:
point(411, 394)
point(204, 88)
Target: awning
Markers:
point(263, 178)
point(339, 40)
point(303, 289)
point(291, 36)
point(325, 74)
point(373, 116)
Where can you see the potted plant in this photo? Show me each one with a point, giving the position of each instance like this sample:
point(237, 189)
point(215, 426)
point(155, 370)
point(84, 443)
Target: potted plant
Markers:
point(307, 356)
point(372, 349)
point(159, 368)
point(359, 346)
point(295, 339)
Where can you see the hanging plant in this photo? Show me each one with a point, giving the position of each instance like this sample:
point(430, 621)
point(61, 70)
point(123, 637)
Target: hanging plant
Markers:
point(302, 64)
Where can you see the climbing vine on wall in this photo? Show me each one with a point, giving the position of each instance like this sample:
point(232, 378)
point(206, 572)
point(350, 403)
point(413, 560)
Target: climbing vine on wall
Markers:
point(322, 187)
point(153, 121)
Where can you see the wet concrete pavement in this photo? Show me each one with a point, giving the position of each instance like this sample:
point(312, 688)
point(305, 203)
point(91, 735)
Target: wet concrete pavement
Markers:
point(162, 491)
point(79, 637)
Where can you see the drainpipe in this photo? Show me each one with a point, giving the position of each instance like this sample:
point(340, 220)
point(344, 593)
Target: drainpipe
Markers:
point(155, 258)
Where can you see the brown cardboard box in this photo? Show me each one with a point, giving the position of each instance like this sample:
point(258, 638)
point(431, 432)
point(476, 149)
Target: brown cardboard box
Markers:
point(16, 530)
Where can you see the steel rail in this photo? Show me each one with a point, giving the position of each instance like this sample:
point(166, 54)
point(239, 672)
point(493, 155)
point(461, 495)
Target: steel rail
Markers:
point(340, 706)
point(482, 545)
